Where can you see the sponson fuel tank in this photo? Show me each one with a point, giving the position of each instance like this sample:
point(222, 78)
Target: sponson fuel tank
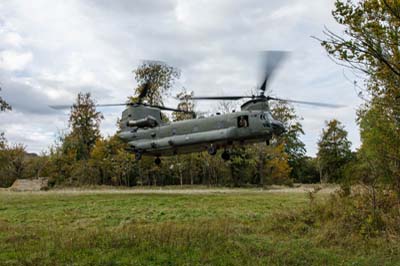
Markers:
point(183, 140)
point(149, 121)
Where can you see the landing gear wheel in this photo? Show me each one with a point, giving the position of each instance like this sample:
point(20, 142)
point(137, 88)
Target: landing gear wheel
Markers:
point(268, 142)
point(212, 150)
point(157, 161)
point(138, 156)
point(225, 156)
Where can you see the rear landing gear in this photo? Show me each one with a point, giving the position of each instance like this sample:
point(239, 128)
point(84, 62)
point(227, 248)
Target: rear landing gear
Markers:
point(212, 150)
point(157, 161)
point(225, 156)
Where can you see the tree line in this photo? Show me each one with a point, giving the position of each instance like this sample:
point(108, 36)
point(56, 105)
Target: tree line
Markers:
point(84, 157)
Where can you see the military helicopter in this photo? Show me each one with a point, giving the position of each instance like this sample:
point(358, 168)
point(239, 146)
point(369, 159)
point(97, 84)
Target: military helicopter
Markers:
point(145, 133)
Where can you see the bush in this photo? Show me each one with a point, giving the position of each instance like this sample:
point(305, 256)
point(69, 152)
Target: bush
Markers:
point(341, 219)
point(13, 164)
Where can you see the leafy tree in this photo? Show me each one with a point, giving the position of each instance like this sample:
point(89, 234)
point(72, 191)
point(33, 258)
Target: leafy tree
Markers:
point(37, 165)
point(380, 145)
point(114, 165)
point(309, 173)
point(185, 104)
point(240, 166)
point(15, 164)
point(4, 105)
point(84, 122)
point(333, 151)
point(371, 45)
point(62, 156)
point(3, 141)
point(277, 166)
point(370, 42)
point(294, 147)
point(159, 76)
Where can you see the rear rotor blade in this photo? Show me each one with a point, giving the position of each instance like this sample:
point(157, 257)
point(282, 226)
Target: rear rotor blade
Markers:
point(232, 98)
point(307, 102)
point(145, 90)
point(65, 106)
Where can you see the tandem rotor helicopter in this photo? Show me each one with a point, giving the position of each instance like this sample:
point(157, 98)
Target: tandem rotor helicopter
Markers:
point(145, 134)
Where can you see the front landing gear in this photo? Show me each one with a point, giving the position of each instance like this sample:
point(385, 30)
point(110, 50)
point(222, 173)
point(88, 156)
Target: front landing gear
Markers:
point(225, 156)
point(138, 156)
point(157, 161)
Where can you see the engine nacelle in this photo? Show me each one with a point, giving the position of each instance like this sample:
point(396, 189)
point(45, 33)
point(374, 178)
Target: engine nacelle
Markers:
point(149, 121)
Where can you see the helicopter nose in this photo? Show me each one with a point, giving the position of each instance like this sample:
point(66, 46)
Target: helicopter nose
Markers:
point(278, 128)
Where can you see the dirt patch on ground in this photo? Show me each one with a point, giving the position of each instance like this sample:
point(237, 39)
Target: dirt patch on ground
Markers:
point(305, 188)
point(39, 184)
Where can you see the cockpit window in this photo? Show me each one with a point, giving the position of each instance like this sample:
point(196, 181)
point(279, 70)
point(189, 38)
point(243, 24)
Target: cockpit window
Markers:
point(266, 116)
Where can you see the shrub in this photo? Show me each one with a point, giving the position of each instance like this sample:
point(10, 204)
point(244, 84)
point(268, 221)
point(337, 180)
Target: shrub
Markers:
point(342, 219)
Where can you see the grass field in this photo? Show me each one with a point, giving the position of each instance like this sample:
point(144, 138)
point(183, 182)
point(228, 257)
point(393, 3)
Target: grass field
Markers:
point(55, 228)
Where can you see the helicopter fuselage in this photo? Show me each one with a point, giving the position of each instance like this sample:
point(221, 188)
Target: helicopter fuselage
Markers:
point(195, 135)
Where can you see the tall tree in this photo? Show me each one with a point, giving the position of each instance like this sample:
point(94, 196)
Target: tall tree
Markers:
point(84, 122)
point(277, 166)
point(380, 145)
point(14, 164)
point(4, 105)
point(3, 141)
point(160, 78)
point(184, 104)
point(333, 151)
point(293, 146)
point(371, 45)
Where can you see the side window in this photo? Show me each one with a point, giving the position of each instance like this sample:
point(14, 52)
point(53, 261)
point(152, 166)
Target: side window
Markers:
point(243, 121)
point(174, 131)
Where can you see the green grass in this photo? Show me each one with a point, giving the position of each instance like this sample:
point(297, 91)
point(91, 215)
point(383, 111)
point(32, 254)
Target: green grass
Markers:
point(154, 229)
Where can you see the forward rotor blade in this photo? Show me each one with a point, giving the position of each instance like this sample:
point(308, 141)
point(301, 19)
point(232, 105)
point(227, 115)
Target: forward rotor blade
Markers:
point(113, 104)
point(307, 102)
point(272, 59)
point(232, 98)
point(60, 107)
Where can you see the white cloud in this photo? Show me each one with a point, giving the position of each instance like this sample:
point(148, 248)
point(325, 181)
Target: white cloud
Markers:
point(13, 60)
point(288, 11)
point(13, 39)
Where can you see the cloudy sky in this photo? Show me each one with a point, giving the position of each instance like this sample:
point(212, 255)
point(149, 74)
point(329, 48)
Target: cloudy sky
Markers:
point(51, 50)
